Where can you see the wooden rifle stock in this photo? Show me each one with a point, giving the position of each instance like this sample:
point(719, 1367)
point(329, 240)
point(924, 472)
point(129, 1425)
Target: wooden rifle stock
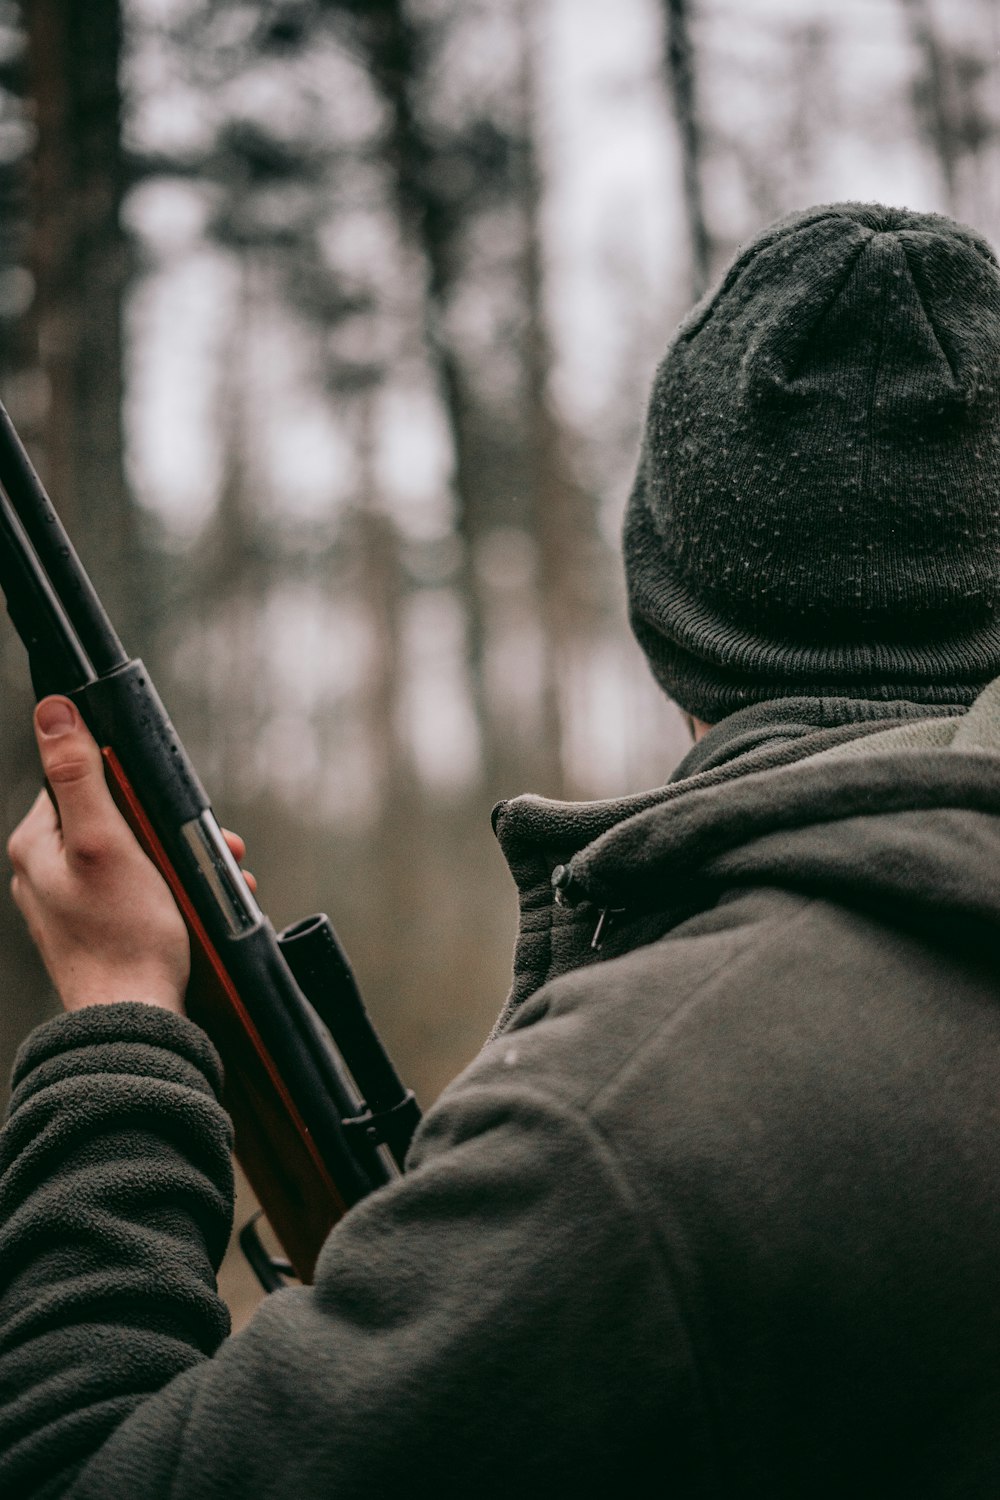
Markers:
point(273, 1144)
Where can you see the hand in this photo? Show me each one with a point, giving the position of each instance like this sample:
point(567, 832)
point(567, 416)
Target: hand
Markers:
point(100, 914)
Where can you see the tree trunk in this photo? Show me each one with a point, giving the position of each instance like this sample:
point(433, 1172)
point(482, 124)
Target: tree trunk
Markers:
point(55, 212)
point(679, 63)
point(79, 261)
point(560, 514)
point(61, 372)
point(394, 51)
point(384, 589)
point(938, 104)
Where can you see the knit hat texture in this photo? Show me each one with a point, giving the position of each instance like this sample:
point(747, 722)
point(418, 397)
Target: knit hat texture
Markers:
point(817, 508)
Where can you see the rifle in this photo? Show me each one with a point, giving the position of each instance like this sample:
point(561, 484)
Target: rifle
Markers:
point(321, 1117)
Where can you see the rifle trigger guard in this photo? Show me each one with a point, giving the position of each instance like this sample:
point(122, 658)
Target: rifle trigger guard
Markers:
point(272, 1271)
point(389, 1126)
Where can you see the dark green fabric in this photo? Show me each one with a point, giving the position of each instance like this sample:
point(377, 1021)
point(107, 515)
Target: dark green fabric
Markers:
point(115, 1209)
point(815, 509)
point(717, 1203)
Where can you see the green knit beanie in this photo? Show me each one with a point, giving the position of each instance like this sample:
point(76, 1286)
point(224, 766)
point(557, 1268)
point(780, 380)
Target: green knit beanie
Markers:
point(817, 509)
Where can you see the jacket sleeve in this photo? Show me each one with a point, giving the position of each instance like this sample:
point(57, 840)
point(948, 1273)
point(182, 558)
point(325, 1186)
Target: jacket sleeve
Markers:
point(498, 1318)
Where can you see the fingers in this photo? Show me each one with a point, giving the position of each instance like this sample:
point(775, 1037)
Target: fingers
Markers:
point(83, 808)
point(237, 845)
point(74, 770)
point(36, 852)
point(36, 836)
point(238, 848)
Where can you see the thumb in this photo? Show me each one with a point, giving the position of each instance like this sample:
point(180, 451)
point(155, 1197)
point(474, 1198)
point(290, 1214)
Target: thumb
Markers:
point(74, 770)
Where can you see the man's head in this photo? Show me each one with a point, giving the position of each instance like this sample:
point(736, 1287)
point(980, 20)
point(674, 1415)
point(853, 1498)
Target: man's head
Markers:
point(817, 508)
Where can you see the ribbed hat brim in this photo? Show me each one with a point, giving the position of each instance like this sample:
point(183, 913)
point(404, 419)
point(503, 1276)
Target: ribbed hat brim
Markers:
point(711, 666)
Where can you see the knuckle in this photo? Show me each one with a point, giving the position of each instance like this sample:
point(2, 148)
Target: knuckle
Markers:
point(21, 894)
point(93, 851)
point(69, 769)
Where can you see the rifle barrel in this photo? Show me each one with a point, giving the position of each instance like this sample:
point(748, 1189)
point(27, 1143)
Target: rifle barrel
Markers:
point(35, 607)
point(56, 553)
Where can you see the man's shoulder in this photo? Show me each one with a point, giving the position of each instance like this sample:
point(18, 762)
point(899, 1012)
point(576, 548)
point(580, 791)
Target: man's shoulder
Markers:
point(793, 1105)
point(747, 1040)
point(709, 987)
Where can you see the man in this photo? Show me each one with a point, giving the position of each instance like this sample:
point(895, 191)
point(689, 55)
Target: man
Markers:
point(717, 1210)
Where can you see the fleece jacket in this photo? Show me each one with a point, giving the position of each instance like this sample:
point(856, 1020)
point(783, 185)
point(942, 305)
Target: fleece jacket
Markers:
point(715, 1212)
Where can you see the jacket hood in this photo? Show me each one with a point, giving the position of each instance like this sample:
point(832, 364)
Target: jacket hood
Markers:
point(894, 807)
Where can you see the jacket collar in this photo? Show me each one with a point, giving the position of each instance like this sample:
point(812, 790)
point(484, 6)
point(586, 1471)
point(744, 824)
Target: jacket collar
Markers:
point(580, 866)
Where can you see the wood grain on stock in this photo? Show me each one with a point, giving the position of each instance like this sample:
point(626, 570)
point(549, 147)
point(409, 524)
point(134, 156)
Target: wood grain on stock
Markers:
point(274, 1147)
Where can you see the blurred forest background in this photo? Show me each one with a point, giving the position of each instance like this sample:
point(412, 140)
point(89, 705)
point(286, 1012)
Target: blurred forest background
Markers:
point(330, 324)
